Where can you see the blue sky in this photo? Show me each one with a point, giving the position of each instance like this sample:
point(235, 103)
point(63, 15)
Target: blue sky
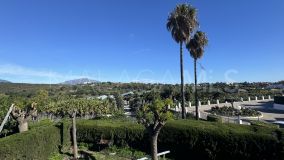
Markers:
point(49, 41)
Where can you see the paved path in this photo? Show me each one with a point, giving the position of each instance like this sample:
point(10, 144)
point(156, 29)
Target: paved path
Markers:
point(264, 106)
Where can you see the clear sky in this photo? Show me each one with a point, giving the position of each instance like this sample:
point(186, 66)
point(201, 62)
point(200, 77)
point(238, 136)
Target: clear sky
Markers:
point(49, 41)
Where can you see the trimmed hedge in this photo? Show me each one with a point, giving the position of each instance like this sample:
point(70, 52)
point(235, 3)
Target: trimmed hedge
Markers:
point(65, 132)
point(279, 100)
point(188, 138)
point(184, 138)
point(37, 143)
point(121, 132)
point(209, 140)
point(213, 118)
point(264, 124)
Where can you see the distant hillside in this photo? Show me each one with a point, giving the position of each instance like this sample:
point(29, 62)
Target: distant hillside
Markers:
point(80, 81)
point(4, 81)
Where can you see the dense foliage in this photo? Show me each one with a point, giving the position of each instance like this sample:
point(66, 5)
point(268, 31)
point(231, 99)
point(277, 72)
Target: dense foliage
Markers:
point(206, 91)
point(214, 118)
point(264, 124)
point(120, 132)
point(219, 141)
point(207, 140)
point(38, 143)
point(55, 108)
point(231, 111)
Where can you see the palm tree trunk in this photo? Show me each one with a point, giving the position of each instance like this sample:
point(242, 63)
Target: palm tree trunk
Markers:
point(74, 129)
point(182, 83)
point(195, 93)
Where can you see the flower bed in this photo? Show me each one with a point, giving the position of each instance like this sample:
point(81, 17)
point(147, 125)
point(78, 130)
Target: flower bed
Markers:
point(231, 111)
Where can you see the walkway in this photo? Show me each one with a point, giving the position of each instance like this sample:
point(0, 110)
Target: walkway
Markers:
point(264, 106)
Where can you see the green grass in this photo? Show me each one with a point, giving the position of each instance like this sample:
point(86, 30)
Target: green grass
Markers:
point(98, 155)
point(56, 156)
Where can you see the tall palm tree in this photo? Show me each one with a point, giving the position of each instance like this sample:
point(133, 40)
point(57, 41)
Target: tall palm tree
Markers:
point(196, 47)
point(181, 23)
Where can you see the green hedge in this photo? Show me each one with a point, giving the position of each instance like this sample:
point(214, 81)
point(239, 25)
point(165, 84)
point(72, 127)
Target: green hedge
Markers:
point(184, 138)
point(213, 118)
point(121, 132)
point(279, 100)
point(188, 139)
point(264, 124)
point(65, 132)
point(209, 140)
point(37, 143)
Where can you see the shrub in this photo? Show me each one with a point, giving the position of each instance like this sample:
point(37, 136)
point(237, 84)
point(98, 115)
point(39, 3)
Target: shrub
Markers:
point(56, 156)
point(189, 138)
point(125, 152)
point(122, 133)
point(210, 140)
point(263, 124)
point(190, 115)
point(231, 111)
point(37, 143)
point(213, 118)
point(65, 132)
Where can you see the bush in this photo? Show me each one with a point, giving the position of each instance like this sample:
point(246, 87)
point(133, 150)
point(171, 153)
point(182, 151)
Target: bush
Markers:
point(190, 115)
point(122, 133)
point(231, 111)
point(213, 118)
point(263, 124)
point(65, 132)
point(125, 152)
point(210, 140)
point(189, 138)
point(37, 143)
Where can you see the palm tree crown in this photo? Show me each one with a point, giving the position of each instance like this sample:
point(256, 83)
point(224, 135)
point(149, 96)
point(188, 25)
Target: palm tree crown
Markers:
point(182, 22)
point(197, 44)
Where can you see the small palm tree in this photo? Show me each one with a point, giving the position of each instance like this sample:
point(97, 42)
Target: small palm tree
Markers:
point(196, 47)
point(181, 23)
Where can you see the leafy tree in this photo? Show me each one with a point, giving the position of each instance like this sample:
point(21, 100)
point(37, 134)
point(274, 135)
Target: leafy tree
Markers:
point(181, 23)
point(119, 101)
point(167, 91)
point(196, 47)
point(151, 96)
point(135, 102)
point(154, 116)
point(42, 99)
point(5, 103)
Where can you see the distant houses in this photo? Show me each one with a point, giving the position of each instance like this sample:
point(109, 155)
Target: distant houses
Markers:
point(275, 86)
point(127, 94)
point(103, 97)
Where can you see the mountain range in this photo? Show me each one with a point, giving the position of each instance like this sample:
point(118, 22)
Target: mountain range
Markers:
point(79, 81)
point(4, 81)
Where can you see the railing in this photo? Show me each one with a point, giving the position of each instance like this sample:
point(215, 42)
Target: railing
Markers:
point(209, 103)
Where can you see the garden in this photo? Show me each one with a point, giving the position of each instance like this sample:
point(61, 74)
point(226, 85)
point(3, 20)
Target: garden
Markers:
point(231, 111)
point(129, 140)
